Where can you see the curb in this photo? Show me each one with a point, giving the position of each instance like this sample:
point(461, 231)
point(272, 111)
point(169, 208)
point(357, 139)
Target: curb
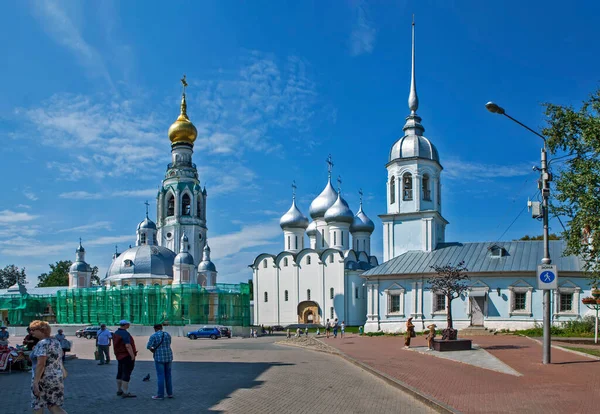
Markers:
point(424, 398)
point(566, 349)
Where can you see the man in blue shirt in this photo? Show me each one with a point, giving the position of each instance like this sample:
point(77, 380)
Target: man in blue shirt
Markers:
point(160, 345)
point(103, 337)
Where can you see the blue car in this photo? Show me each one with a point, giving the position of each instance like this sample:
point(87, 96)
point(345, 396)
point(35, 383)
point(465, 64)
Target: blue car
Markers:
point(212, 333)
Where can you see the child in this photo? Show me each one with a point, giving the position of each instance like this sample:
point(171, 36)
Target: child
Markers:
point(289, 334)
point(342, 329)
point(306, 331)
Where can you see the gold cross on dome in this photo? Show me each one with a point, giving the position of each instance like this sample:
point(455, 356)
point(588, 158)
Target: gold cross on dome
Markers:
point(184, 83)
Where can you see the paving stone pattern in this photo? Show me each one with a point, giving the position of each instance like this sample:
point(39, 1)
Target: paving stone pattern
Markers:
point(568, 385)
point(252, 375)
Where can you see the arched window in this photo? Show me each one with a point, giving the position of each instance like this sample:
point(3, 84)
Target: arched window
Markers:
point(141, 285)
point(439, 192)
point(198, 208)
point(307, 294)
point(265, 263)
point(296, 243)
point(407, 187)
point(266, 297)
point(81, 282)
point(170, 205)
point(322, 238)
point(342, 237)
point(335, 238)
point(307, 260)
point(285, 261)
point(157, 284)
point(425, 187)
point(143, 238)
point(331, 259)
point(285, 296)
point(154, 241)
point(331, 293)
point(186, 205)
point(289, 243)
point(392, 190)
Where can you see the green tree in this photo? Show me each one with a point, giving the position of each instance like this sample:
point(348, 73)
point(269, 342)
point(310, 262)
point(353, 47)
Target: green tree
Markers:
point(10, 275)
point(95, 280)
point(450, 281)
point(574, 137)
point(552, 236)
point(251, 286)
point(58, 276)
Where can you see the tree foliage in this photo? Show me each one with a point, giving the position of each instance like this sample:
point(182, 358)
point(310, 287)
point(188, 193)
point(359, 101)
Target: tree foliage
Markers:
point(58, 276)
point(251, 286)
point(575, 135)
point(551, 236)
point(95, 280)
point(10, 275)
point(450, 281)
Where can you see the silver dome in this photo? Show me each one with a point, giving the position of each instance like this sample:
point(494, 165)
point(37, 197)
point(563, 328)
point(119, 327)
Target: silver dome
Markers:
point(293, 218)
point(414, 146)
point(312, 229)
point(184, 258)
point(80, 249)
point(80, 267)
point(146, 224)
point(207, 266)
point(339, 212)
point(142, 261)
point(319, 206)
point(362, 223)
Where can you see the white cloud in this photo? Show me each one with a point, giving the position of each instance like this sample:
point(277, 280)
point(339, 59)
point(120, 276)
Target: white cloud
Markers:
point(8, 217)
point(35, 248)
point(110, 240)
point(253, 235)
point(30, 195)
point(60, 25)
point(456, 169)
point(23, 206)
point(81, 195)
point(362, 38)
point(85, 195)
point(101, 225)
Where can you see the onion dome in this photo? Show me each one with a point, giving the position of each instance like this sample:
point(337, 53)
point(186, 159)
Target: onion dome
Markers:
point(312, 229)
point(293, 218)
point(183, 131)
point(362, 223)
point(80, 248)
point(184, 257)
point(323, 201)
point(339, 212)
point(146, 224)
point(206, 264)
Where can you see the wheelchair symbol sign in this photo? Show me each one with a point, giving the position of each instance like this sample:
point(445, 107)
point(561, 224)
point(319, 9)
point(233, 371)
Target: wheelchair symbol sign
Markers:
point(547, 277)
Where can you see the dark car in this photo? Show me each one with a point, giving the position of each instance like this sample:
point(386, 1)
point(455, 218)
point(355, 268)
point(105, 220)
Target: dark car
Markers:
point(212, 333)
point(225, 331)
point(88, 332)
point(278, 328)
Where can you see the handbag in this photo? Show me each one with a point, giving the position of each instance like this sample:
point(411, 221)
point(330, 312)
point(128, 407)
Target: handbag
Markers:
point(413, 334)
point(97, 355)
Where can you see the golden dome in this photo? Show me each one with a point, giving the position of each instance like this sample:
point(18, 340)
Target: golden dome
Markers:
point(182, 130)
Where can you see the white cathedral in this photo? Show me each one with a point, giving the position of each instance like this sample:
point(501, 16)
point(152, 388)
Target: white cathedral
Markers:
point(336, 277)
point(174, 251)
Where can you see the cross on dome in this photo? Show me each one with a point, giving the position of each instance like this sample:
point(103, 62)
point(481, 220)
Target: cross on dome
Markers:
point(294, 187)
point(329, 165)
point(184, 83)
point(360, 193)
point(339, 180)
point(147, 205)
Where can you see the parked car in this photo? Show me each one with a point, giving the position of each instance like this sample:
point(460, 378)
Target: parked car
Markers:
point(88, 332)
point(206, 332)
point(225, 331)
point(278, 328)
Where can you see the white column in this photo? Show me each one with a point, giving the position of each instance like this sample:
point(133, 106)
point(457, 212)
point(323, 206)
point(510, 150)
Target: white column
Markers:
point(417, 183)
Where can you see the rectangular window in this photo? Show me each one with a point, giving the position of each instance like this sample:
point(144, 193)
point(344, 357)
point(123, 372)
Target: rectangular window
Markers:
point(322, 238)
point(307, 294)
point(335, 238)
point(266, 297)
point(296, 243)
point(342, 238)
point(440, 303)
point(286, 296)
point(265, 263)
point(185, 275)
point(356, 293)
point(307, 260)
point(331, 293)
point(331, 312)
point(331, 259)
point(566, 302)
point(289, 243)
point(394, 304)
point(520, 301)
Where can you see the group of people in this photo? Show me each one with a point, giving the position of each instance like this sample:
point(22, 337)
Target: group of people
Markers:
point(335, 327)
point(48, 371)
point(410, 333)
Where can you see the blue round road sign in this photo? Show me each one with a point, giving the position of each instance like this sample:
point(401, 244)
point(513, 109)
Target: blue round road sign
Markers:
point(547, 276)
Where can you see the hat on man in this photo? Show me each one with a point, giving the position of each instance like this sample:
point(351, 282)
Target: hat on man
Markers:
point(103, 325)
point(124, 322)
point(2, 327)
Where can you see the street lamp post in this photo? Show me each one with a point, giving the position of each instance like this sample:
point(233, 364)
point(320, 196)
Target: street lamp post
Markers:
point(545, 188)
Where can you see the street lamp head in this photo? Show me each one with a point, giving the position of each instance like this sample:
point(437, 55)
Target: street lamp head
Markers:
point(493, 108)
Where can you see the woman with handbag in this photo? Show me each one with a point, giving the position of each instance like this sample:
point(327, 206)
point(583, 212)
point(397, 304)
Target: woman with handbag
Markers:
point(410, 333)
point(48, 372)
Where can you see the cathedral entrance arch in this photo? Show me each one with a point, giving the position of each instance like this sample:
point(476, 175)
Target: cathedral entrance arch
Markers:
point(308, 312)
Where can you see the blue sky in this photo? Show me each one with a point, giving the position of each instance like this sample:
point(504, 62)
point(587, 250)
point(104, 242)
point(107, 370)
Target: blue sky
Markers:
point(90, 89)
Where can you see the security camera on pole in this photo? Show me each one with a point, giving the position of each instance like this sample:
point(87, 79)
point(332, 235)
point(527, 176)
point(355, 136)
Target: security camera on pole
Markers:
point(547, 274)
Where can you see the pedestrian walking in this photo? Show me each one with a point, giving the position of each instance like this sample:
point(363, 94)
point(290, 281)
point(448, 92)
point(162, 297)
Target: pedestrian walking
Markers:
point(4, 335)
point(289, 334)
point(410, 333)
point(342, 329)
point(306, 331)
point(103, 340)
point(48, 372)
point(335, 328)
point(160, 345)
point(318, 331)
point(327, 328)
point(64, 343)
point(125, 352)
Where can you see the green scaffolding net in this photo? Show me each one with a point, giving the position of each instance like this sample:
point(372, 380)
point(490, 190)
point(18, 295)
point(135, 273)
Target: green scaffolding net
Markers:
point(224, 304)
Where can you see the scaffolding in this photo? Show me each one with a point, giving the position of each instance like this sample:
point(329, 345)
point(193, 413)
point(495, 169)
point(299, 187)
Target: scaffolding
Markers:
point(223, 304)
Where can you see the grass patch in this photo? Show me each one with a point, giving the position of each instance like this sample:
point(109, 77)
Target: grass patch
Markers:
point(594, 352)
point(582, 328)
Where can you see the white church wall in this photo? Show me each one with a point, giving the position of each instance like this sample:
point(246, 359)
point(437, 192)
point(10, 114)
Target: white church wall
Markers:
point(288, 280)
point(356, 299)
point(407, 236)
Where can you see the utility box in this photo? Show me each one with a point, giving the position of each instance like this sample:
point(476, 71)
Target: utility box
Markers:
point(536, 209)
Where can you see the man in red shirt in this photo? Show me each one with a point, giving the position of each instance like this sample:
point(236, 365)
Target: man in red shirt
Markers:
point(125, 352)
